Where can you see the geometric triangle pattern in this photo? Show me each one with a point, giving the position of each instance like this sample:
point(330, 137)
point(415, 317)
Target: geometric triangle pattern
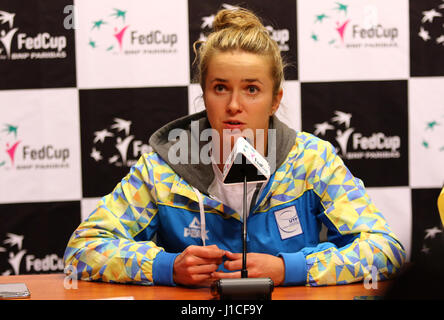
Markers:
point(347, 211)
point(360, 238)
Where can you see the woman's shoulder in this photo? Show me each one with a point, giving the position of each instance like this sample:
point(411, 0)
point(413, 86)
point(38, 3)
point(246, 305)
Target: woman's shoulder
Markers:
point(306, 141)
point(152, 161)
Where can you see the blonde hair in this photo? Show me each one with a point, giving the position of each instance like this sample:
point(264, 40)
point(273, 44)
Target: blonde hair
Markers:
point(239, 29)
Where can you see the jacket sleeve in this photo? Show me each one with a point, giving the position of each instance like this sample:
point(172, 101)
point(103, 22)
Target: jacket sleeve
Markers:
point(360, 242)
point(104, 246)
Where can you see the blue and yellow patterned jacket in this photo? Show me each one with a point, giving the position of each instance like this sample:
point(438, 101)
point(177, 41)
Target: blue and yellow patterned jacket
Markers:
point(309, 190)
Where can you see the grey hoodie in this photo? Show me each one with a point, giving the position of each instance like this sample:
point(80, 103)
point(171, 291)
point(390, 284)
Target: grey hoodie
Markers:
point(201, 175)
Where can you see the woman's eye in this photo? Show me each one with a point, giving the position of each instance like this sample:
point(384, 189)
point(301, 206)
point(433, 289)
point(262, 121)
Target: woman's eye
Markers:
point(219, 87)
point(252, 89)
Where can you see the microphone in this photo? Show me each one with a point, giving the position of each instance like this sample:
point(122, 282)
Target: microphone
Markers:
point(244, 164)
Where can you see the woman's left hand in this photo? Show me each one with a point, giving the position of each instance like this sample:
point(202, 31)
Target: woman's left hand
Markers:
point(259, 265)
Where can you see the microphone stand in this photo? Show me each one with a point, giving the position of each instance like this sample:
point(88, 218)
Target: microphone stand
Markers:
point(244, 288)
point(244, 271)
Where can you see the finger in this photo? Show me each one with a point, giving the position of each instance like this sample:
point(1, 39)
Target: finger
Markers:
point(233, 265)
point(226, 275)
point(203, 269)
point(233, 256)
point(192, 260)
point(207, 252)
point(199, 278)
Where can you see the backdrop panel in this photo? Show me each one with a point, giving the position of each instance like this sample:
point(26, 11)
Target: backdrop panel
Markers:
point(83, 84)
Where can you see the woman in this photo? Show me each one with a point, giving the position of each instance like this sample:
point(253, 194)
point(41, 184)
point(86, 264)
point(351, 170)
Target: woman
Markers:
point(197, 218)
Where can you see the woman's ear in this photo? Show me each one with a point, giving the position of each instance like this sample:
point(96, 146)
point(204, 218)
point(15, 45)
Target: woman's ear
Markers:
point(276, 102)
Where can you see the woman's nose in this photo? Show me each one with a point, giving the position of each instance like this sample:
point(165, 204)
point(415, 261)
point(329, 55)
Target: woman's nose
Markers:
point(234, 104)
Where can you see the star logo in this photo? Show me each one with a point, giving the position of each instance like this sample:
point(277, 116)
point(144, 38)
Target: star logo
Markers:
point(108, 33)
point(96, 154)
point(7, 17)
point(10, 144)
point(431, 239)
point(432, 232)
point(423, 34)
point(119, 14)
point(432, 134)
point(14, 258)
point(102, 135)
point(14, 240)
point(97, 24)
point(113, 144)
point(330, 26)
point(321, 128)
point(11, 129)
point(342, 119)
point(431, 125)
point(321, 17)
point(341, 7)
point(428, 16)
point(431, 27)
point(122, 125)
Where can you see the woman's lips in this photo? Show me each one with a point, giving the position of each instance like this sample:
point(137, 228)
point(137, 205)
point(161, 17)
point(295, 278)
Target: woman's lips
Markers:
point(233, 124)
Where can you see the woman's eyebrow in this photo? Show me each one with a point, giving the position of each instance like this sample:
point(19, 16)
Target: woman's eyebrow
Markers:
point(218, 80)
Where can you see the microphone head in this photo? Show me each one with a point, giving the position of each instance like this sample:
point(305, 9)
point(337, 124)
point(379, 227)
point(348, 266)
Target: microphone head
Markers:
point(245, 161)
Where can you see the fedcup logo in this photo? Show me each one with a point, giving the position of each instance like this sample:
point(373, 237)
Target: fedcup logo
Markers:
point(113, 32)
point(351, 144)
point(17, 45)
point(16, 153)
point(17, 254)
point(335, 26)
point(204, 146)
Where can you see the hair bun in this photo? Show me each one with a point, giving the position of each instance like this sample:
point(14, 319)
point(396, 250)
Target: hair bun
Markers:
point(238, 18)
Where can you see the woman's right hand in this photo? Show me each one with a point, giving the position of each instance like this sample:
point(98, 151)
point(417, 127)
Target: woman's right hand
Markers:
point(194, 266)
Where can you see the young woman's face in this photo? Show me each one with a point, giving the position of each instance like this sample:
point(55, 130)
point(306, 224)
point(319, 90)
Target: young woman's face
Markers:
point(238, 94)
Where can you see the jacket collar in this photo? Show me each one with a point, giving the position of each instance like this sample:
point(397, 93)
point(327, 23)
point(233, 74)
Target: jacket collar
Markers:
point(201, 175)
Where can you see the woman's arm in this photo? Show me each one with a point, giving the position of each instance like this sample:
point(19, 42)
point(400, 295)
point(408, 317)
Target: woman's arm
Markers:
point(104, 246)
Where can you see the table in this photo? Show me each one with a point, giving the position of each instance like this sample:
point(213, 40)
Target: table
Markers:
point(52, 287)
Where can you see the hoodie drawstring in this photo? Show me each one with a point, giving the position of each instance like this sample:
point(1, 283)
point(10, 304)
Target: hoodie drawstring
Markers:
point(202, 214)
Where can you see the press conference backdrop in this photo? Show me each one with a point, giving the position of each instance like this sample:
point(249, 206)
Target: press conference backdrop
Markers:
point(85, 83)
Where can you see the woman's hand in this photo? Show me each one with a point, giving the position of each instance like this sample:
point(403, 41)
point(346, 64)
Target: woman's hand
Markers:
point(259, 265)
point(194, 266)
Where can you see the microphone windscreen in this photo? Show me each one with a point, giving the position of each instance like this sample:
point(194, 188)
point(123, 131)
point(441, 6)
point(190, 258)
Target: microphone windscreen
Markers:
point(243, 161)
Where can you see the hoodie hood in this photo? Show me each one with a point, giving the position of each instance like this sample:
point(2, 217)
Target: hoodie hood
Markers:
point(190, 167)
